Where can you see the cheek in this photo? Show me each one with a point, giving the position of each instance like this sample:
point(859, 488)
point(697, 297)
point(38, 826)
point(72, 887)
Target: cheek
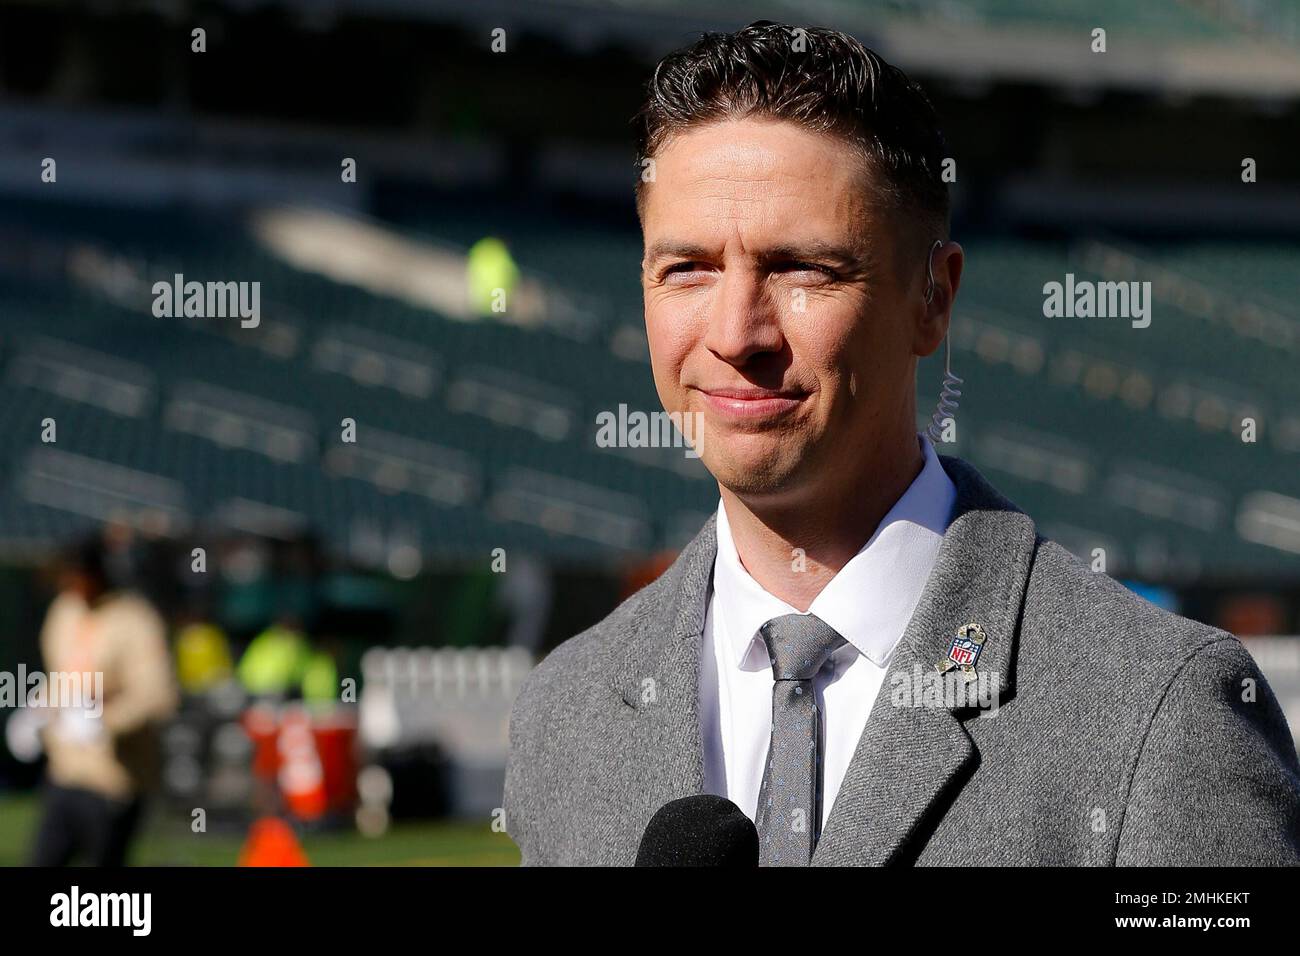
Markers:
point(671, 337)
point(874, 343)
point(832, 348)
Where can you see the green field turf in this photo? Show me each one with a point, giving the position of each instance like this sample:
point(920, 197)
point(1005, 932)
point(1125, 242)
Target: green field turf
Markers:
point(166, 842)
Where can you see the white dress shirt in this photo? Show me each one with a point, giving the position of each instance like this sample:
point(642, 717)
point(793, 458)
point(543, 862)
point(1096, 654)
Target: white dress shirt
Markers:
point(869, 602)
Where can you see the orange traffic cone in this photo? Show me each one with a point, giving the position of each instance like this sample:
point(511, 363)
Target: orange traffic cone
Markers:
point(271, 842)
point(301, 775)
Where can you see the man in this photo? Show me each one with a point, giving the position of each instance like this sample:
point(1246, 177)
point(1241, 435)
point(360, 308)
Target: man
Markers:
point(103, 752)
point(868, 649)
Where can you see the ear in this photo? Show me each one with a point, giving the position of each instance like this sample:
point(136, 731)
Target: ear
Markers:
point(944, 268)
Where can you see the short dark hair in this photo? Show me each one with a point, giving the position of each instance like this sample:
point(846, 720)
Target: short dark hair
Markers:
point(823, 80)
point(85, 556)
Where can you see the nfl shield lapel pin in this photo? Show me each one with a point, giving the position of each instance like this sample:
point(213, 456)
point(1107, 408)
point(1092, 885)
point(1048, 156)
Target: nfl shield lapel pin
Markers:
point(964, 651)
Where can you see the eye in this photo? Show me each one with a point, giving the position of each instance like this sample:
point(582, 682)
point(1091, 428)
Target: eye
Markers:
point(684, 268)
point(795, 266)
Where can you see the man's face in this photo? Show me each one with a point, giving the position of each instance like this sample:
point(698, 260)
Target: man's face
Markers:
point(774, 304)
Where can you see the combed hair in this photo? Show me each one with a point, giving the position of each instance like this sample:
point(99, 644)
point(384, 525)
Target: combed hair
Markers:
point(823, 80)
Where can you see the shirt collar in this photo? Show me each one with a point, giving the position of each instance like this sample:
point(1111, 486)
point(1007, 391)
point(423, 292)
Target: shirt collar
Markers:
point(872, 598)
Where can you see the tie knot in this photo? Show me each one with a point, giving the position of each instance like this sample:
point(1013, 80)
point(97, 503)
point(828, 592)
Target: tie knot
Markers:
point(798, 645)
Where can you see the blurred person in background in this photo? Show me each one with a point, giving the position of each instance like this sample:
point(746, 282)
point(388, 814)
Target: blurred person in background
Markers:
point(491, 275)
point(102, 757)
point(282, 663)
point(203, 658)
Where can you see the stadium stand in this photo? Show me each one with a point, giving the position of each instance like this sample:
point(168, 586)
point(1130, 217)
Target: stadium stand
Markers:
point(480, 431)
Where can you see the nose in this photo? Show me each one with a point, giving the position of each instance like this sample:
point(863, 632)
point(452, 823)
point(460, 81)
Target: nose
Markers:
point(743, 321)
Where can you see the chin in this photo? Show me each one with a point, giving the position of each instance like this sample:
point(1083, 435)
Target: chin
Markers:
point(749, 471)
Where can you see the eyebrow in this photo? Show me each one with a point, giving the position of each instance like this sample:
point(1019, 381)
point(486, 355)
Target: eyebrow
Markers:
point(671, 248)
point(812, 250)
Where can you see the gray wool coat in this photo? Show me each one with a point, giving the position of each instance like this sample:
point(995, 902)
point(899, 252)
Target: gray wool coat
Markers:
point(1123, 734)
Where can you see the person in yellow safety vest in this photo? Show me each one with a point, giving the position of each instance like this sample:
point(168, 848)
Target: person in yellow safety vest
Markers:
point(203, 657)
point(280, 661)
point(491, 276)
point(274, 661)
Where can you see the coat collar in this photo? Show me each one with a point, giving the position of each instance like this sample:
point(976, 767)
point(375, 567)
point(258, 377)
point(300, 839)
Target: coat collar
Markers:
point(657, 684)
point(908, 756)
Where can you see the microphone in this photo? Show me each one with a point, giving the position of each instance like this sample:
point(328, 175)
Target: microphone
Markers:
point(700, 830)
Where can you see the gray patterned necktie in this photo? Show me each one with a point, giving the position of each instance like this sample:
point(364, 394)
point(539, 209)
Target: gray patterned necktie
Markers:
point(789, 802)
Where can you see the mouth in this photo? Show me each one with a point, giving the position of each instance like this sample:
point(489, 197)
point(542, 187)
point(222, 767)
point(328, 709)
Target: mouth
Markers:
point(752, 404)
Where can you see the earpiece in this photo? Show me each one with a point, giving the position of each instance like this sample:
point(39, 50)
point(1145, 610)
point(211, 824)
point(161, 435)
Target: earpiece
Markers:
point(929, 272)
point(950, 393)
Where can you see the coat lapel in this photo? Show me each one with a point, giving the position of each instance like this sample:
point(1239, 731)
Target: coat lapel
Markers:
point(657, 690)
point(911, 758)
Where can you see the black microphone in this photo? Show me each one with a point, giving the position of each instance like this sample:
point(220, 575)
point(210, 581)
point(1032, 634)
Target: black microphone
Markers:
point(700, 830)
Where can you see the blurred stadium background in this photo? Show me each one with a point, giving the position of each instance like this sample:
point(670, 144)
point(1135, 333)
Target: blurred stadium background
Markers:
point(374, 560)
